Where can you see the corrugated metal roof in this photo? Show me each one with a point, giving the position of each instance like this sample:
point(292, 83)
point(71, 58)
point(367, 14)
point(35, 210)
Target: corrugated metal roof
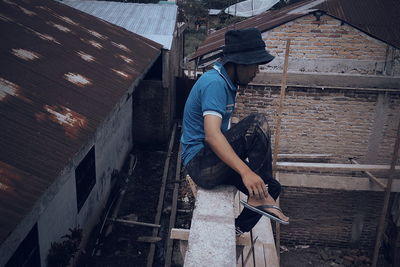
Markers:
point(153, 21)
point(378, 18)
point(61, 73)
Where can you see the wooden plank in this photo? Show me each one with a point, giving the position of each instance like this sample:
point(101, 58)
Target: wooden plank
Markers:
point(247, 250)
point(150, 256)
point(265, 250)
point(149, 239)
point(277, 135)
point(386, 199)
point(347, 183)
point(134, 223)
point(371, 176)
point(278, 126)
point(238, 208)
point(304, 156)
point(306, 166)
point(278, 227)
point(172, 218)
point(270, 255)
point(183, 248)
point(192, 185)
point(183, 234)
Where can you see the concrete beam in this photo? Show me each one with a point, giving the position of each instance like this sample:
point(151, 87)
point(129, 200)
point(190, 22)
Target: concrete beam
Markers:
point(347, 183)
point(212, 239)
point(305, 166)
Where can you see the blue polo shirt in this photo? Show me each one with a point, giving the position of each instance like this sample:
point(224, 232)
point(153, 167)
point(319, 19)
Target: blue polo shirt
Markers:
point(214, 93)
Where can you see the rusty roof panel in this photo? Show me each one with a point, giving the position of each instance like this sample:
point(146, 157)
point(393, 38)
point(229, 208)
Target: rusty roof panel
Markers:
point(62, 71)
point(378, 18)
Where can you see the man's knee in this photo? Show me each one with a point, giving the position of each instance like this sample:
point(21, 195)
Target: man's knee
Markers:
point(261, 120)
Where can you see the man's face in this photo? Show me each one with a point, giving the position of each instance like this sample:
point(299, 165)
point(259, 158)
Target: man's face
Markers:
point(246, 73)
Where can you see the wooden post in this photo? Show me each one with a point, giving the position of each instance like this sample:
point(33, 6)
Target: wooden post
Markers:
point(172, 218)
point(371, 176)
point(277, 134)
point(150, 256)
point(386, 199)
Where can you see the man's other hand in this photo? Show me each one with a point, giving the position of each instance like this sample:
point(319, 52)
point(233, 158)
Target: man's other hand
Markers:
point(255, 185)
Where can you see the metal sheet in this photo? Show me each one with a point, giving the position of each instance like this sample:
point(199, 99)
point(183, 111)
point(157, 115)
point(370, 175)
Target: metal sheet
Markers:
point(61, 73)
point(380, 19)
point(154, 21)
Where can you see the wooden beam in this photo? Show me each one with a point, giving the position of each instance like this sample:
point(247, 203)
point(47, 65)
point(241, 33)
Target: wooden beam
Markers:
point(172, 218)
point(183, 234)
point(192, 185)
point(306, 166)
point(149, 239)
point(280, 108)
point(150, 256)
point(131, 223)
point(389, 184)
point(304, 156)
point(277, 135)
point(346, 183)
point(371, 176)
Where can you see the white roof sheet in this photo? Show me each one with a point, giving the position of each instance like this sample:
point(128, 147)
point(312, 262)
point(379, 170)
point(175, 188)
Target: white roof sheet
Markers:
point(153, 21)
point(249, 8)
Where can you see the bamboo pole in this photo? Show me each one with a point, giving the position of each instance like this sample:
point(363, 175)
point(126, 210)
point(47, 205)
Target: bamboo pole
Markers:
point(371, 176)
point(129, 222)
point(277, 135)
point(386, 199)
point(172, 218)
point(150, 256)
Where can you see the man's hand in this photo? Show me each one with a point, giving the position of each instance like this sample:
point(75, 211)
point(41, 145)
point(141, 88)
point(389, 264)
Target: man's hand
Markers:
point(255, 185)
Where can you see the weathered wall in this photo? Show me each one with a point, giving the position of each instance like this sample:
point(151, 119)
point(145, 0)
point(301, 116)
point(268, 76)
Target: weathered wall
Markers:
point(150, 113)
point(155, 100)
point(329, 45)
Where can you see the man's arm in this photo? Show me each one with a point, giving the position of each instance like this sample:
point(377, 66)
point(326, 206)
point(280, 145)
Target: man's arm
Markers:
point(221, 147)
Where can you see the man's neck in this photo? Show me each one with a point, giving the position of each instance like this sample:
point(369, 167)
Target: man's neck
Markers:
point(231, 71)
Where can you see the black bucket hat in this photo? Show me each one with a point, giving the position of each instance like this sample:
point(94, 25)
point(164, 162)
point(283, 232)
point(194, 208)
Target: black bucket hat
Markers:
point(245, 46)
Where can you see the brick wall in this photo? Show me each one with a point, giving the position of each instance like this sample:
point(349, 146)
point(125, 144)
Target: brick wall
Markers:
point(328, 45)
point(334, 121)
point(344, 123)
point(322, 217)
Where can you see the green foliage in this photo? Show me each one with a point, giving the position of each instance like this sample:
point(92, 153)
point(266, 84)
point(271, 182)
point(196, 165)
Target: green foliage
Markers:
point(193, 39)
point(225, 20)
point(193, 9)
point(60, 253)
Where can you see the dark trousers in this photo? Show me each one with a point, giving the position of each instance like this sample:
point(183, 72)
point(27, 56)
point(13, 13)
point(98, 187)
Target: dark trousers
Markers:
point(251, 140)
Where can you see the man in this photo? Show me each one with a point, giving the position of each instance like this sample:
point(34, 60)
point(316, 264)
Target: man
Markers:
point(212, 153)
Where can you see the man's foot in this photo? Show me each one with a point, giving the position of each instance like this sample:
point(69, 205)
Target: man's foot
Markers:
point(271, 210)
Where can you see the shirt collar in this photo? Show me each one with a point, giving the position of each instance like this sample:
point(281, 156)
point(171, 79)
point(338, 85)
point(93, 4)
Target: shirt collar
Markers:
point(221, 70)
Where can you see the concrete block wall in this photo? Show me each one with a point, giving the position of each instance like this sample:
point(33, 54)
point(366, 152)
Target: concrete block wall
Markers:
point(322, 217)
point(328, 45)
point(342, 122)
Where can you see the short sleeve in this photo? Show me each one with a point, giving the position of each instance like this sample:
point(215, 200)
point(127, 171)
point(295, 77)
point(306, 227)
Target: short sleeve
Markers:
point(214, 98)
